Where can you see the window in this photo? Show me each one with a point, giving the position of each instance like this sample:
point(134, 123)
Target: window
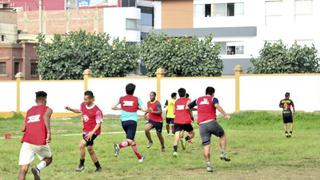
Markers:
point(3, 68)
point(207, 11)
point(16, 67)
point(273, 12)
point(228, 9)
point(2, 37)
point(34, 69)
point(132, 24)
point(231, 48)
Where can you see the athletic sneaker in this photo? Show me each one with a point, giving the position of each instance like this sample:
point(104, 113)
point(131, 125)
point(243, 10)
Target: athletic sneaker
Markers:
point(142, 159)
point(209, 167)
point(183, 145)
point(175, 154)
point(149, 145)
point(80, 168)
point(36, 173)
point(99, 169)
point(224, 157)
point(116, 150)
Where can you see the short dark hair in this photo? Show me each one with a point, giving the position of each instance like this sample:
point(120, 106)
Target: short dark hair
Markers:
point(287, 94)
point(154, 93)
point(89, 93)
point(130, 88)
point(210, 90)
point(41, 94)
point(174, 94)
point(187, 95)
point(182, 92)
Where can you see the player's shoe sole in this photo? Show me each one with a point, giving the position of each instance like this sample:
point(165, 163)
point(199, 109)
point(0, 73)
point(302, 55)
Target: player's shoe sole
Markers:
point(116, 150)
point(223, 158)
point(35, 173)
point(79, 168)
point(142, 159)
point(209, 169)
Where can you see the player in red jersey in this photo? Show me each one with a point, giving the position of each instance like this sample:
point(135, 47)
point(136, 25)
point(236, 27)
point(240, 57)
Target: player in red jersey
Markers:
point(154, 120)
point(37, 135)
point(92, 119)
point(206, 107)
point(129, 105)
point(182, 120)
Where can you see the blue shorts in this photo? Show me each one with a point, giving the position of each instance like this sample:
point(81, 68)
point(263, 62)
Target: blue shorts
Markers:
point(130, 127)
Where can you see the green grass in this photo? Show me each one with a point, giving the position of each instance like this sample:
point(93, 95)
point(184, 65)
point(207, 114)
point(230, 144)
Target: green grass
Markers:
point(256, 145)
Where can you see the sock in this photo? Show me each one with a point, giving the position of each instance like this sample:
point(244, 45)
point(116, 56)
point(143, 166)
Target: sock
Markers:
point(136, 152)
point(81, 162)
point(187, 138)
point(175, 148)
point(41, 165)
point(286, 132)
point(123, 144)
point(97, 164)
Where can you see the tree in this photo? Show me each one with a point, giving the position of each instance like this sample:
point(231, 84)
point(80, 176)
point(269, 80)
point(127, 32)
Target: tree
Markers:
point(66, 57)
point(183, 56)
point(278, 58)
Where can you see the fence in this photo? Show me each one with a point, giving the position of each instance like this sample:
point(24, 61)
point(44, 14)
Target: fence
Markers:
point(239, 92)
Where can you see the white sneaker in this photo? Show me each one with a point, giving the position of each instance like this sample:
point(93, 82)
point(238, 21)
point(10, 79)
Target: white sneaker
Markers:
point(175, 154)
point(209, 167)
point(142, 159)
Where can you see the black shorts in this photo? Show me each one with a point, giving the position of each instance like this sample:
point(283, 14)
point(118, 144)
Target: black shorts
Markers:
point(156, 125)
point(209, 128)
point(130, 127)
point(180, 127)
point(90, 142)
point(287, 118)
point(169, 121)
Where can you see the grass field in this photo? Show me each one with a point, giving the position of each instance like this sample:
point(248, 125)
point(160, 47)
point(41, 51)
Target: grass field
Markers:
point(257, 147)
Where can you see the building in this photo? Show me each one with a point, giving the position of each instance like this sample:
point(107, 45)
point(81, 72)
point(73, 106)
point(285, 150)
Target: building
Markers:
point(240, 26)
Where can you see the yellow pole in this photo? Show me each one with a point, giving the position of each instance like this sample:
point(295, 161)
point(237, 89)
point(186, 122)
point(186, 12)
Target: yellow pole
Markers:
point(18, 77)
point(237, 73)
point(86, 75)
point(159, 74)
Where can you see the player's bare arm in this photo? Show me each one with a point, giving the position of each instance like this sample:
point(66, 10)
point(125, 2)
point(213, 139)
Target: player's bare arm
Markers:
point(23, 128)
point(220, 109)
point(47, 117)
point(72, 110)
point(115, 107)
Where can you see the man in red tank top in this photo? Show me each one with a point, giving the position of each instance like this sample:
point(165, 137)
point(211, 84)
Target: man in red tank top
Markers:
point(206, 107)
point(182, 120)
point(37, 135)
point(92, 119)
point(154, 120)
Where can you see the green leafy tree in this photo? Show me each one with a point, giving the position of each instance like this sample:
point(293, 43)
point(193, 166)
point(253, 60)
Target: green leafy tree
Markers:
point(278, 58)
point(183, 56)
point(66, 57)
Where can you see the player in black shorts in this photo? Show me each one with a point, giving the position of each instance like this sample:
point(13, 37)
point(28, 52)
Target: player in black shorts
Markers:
point(169, 106)
point(287, 114)
point(154, 120)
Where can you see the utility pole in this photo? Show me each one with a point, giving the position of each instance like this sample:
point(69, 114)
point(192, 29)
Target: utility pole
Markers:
point(40, 17)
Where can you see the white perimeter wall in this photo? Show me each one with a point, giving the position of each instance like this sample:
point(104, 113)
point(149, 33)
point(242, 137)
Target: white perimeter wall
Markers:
point(261, 92)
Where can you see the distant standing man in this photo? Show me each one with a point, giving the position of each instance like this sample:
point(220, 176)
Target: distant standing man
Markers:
point(208, 125)
point(37, 135)
point(169, 105)
point(154, 120)
point(286, 104)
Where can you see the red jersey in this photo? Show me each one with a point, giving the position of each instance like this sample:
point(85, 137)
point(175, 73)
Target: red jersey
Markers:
point(206, 108)
point(129, 103)
point(155, 106)
point(36, 130)
point(91, 116)
point(181, 112)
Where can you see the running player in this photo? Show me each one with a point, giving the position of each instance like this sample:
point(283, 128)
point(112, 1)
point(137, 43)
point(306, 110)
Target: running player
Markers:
point(287, 114)
point(206, 107)
point(154, 120)
point(92, 119)
point(129, 105)
point(37, 135)
point(169, 105)
point(182, 120)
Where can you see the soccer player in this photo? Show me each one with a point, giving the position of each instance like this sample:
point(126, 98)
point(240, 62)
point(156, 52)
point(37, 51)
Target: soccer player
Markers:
point(154, 120)
point(206, 107)
point(37, 135)
point(287, 114)
point(129, 105)
point(169, 105)
point(182, 120)
point(92, 119)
